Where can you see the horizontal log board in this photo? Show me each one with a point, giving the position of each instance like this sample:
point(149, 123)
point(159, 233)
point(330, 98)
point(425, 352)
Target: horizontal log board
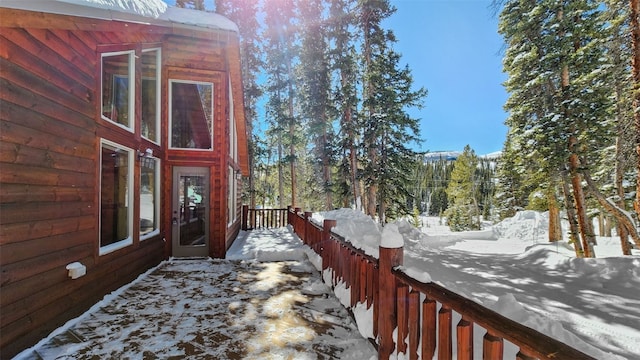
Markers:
point(12, 233)
point(16, 153)
point(16, 252)
point(64, 91)
point(25, 101)
point(33, 133)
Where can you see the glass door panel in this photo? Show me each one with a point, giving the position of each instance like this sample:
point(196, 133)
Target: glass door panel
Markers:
point(190, 211)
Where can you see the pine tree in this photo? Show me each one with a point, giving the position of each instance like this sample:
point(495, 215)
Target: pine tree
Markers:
point(558, 97)
point(342, 33)
point(314, 90)
point(281, 49)
point(245, 14)
point(634, 15)
point(388, 129)
point(462, 193)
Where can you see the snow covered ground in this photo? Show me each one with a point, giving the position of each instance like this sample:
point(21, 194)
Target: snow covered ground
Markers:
point(590, 304)
point(217, 309)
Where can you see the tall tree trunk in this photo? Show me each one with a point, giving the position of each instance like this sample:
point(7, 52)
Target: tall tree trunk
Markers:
point(588, 239)
point(586, 231)
point(326, 168)
point(619, 184)
point(355, 182)
point(292, 136)
point(280, 175)
point(372, 189)
point(555, 230)
point(574, 237)
point(635, 43)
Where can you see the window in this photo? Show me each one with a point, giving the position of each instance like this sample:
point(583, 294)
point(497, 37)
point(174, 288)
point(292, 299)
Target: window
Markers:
point(150, 122)
point(232, 193)
point(149, 197)
point(233, 135)
point(116, 200)
point(118, 92)
point(191, 115)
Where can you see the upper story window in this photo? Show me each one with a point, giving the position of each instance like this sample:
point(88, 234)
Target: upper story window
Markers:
point(118, 92)
point(150, 122)
point(191, 115)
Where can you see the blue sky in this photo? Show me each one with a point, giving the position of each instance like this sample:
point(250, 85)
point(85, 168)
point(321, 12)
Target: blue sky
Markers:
point(453, 50)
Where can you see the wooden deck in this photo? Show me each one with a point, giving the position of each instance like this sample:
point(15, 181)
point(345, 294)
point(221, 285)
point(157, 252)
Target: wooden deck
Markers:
point(215, 309)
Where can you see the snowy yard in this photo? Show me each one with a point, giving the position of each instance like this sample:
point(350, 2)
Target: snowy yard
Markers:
point(590, 304)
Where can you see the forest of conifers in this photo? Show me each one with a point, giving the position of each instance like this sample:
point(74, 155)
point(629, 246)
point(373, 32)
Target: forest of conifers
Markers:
point(326, 98)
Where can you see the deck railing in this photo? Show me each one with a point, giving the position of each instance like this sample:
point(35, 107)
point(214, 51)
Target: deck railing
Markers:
point(263, 218)
point(402, 302)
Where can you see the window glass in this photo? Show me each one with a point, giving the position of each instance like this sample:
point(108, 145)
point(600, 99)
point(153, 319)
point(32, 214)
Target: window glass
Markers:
point(191, 109)
point(115, 197)
point(150, 124)
point(117, 90)
point(149, 196)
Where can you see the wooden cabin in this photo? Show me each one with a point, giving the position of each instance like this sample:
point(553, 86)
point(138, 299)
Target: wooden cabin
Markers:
point(122, 143)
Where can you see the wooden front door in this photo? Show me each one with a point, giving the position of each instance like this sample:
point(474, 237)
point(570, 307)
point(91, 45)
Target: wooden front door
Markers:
point(190, 211)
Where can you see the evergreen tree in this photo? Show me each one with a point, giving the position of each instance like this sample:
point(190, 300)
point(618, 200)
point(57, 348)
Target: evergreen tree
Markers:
point(634, 6)
point(462, 193)
point(245, 14)
point(342, 34)
point(281, 49)
point(315, 90)
point(558, 98)
point(388, 129)
point(511, 194)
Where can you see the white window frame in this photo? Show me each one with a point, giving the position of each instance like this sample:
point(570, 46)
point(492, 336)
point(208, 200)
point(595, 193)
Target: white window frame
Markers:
point(233, 134)
point(213, 105)
point(132, 88)
point(232, 205)
point(130, 168)
point(156, 196)
point(158, 93)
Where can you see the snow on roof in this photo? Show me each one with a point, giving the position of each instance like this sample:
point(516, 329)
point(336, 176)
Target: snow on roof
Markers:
point(139, 11)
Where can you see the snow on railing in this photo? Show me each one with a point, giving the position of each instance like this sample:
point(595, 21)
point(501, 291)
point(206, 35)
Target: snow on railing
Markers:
point(405, 308)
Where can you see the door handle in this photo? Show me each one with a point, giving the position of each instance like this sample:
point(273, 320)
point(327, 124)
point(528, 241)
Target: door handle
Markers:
point(175, 220)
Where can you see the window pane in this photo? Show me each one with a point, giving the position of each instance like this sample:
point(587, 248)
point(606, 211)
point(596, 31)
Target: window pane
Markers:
point(116, 89)
point(114, 196)
point(191, 115)
point(150, 96)
point(149, 195)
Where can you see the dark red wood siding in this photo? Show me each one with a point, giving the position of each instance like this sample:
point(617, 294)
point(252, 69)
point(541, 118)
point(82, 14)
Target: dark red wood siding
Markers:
point(50, 130)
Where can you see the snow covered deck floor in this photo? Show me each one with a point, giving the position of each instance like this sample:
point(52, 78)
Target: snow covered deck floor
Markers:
point(217, 309)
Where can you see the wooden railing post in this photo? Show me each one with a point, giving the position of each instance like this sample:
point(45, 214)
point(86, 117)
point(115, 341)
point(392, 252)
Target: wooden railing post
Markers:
point(289, 218)
point(387, 299)
point(464, 332)
point(245, 215)
point(492, 347)
point(327, 225)
point(307, 230)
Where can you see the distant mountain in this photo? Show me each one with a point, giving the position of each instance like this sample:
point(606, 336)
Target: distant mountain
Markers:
point(453, 155)
point(441, 155)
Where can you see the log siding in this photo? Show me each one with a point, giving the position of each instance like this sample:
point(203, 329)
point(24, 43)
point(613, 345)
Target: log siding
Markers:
point(50, 135)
